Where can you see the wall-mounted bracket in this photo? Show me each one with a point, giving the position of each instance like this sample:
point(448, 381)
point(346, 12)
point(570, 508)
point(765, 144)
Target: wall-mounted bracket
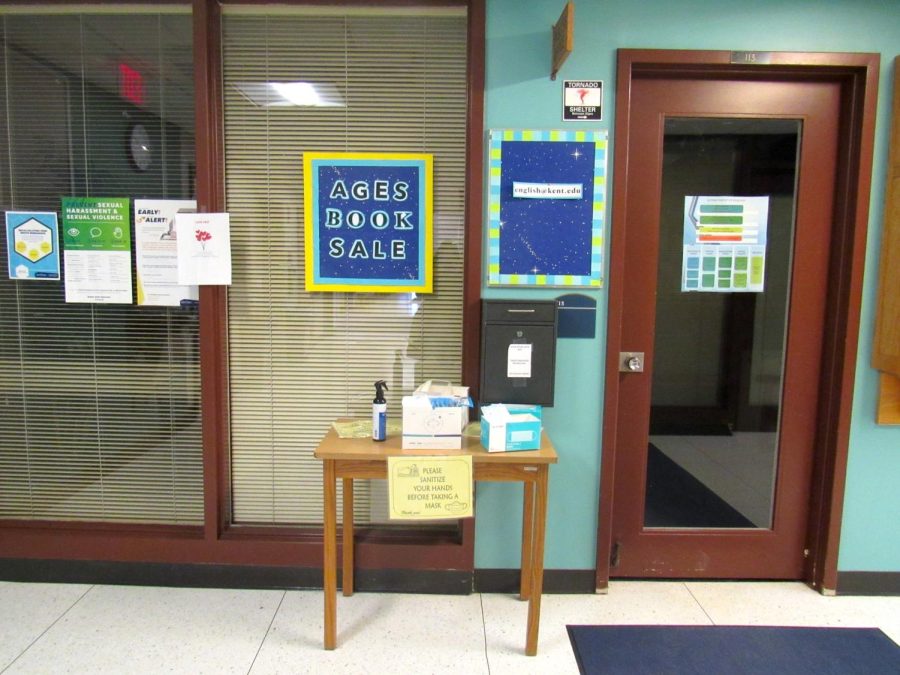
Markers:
point(563, 39)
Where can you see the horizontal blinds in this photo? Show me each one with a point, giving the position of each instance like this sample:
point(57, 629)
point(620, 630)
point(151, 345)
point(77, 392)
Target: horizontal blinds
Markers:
point(298, 359)
point(99, 411)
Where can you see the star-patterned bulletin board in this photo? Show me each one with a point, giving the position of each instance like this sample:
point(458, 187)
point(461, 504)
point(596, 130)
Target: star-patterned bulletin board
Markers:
point(547, 208)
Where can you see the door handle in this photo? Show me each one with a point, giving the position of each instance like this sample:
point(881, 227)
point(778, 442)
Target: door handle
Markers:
point(631, 362)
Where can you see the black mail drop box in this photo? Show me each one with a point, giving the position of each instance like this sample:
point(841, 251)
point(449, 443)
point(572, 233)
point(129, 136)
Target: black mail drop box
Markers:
point(518, 351)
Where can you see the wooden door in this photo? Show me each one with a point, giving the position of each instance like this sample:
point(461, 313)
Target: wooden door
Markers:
point(726, 382)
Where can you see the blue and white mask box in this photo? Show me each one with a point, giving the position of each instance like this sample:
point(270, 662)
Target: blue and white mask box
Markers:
point(507, 427)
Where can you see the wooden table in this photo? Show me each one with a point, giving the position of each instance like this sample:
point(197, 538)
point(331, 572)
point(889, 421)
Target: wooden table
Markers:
point(350, 458)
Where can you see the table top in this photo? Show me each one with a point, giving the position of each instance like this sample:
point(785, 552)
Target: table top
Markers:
point(334, 447)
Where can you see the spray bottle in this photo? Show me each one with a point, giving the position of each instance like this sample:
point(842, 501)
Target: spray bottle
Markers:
point(379, 412)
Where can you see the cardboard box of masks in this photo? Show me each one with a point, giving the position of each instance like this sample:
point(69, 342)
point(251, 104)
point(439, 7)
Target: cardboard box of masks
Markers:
point(434, 417)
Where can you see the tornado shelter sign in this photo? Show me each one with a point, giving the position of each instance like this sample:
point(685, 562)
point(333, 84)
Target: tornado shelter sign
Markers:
point(426, 488)
point(582, 100)
point(368, 222)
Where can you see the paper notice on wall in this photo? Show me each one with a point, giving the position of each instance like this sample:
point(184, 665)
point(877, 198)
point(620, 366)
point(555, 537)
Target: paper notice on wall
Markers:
point(204, 249)
point(518, 360)
point(97, 249)
point(156, 251)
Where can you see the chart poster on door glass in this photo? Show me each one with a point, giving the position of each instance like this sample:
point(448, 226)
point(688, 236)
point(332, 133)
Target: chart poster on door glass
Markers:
point(724, 244)
point(547, 204)
point(97, 249)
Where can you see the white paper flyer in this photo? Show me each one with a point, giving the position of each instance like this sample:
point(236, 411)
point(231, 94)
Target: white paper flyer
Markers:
point(518, 360)
point(156, 251)
point(204, 249)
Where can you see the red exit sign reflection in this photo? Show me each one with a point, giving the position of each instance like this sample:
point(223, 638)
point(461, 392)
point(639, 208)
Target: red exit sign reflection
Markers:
point(131, 84)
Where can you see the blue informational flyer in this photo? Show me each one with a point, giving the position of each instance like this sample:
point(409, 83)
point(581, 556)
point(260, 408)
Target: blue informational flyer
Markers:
point(32, 243)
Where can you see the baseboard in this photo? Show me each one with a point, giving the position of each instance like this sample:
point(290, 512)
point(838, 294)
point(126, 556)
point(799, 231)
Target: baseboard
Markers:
point(555, 581)
point(443, 582)
point(448, 582)
point(159, 574)
point(868, 583)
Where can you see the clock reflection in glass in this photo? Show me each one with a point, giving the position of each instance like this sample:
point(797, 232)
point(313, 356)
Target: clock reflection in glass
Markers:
point(139, 150)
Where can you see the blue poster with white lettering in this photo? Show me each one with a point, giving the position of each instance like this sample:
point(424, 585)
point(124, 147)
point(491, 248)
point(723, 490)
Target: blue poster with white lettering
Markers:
point(368, 222)
point(32, 245)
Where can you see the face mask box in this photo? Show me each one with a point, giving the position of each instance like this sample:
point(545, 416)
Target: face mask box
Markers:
point(507, 428)
point(434, 417)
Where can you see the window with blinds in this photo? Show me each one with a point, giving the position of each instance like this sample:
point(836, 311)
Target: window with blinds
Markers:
point(388, 81)
point(99, 404)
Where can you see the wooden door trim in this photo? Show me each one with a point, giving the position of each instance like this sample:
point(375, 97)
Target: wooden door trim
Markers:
point(858, 75)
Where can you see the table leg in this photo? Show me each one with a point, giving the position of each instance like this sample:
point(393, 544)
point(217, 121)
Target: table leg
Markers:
point(537, 560)
point(329, 566)
point(347, 579)
point(527, 535)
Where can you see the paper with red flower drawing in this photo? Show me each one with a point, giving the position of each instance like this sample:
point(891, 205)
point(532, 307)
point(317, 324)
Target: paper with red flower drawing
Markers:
point(204, 249)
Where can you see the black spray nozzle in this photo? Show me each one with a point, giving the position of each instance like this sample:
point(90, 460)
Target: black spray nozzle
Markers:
point(380, 388)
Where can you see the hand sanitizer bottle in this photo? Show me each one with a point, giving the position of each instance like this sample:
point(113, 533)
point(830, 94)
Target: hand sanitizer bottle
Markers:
point(379, 412)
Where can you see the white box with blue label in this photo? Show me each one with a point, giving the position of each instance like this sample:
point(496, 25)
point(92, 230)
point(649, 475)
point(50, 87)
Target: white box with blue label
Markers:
point(434, 416)
point(507, 427)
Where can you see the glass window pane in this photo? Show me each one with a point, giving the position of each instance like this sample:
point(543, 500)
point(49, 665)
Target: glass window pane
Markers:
point(100, 412)
point(298, 360)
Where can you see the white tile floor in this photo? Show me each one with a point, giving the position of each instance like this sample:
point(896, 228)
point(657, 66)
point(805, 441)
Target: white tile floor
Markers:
point(68, 628)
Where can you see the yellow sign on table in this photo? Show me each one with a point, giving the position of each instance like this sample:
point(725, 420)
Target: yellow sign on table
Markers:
point(425, 488)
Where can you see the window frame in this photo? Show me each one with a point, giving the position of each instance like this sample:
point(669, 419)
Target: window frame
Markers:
point(438, 549)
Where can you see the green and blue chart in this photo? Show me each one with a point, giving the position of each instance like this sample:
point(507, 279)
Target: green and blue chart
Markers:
point(32, 245)
point(724, 244)
point(368, 222)
point(547, 204)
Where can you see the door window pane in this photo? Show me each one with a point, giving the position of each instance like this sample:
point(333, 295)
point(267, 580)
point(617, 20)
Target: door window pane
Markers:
point(719, 356)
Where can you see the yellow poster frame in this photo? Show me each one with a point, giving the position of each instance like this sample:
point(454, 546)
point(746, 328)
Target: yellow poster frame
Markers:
point(424, 283)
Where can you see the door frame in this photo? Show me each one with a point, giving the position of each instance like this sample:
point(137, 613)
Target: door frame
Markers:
point(858, 75)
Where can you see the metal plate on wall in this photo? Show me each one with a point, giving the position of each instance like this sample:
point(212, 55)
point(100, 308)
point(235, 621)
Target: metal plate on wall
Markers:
point(577, 316)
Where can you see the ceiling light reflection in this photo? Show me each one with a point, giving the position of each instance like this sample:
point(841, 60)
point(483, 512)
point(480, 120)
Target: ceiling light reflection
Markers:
point(287, 94)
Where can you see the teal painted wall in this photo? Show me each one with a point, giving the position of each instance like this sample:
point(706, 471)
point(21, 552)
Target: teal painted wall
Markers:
point(520, 94)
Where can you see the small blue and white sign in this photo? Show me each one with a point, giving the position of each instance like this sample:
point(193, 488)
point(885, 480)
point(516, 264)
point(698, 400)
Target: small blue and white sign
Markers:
point(32, 245)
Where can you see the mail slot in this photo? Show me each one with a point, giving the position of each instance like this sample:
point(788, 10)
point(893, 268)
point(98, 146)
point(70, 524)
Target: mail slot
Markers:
point(518, 351)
